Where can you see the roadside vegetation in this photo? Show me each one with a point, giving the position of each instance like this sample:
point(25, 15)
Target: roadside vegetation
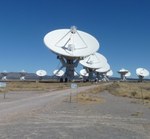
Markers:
point(38, 86)
point(125, 89)
point(34, 86)
point(130, 89)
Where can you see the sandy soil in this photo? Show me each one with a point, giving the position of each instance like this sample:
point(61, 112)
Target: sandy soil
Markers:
point(50, 115)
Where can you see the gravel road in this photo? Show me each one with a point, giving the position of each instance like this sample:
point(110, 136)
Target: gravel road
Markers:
point(50, 115)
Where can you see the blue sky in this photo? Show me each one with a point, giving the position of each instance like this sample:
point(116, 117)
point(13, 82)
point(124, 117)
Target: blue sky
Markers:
point(122, 28)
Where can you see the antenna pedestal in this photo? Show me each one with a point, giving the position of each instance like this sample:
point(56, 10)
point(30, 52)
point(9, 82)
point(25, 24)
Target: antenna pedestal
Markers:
point(123, 78)
point(98, 76)
point(141, 78)
point(102, 76)
point(122, 74)
point(70, 64)
point(91, 72)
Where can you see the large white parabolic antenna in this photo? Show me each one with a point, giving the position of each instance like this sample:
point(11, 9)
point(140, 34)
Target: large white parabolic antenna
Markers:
point(70, 45)
point(71, 42)
point(141, 73)
point(94, 61)
point(58, 73)
point(41, 73)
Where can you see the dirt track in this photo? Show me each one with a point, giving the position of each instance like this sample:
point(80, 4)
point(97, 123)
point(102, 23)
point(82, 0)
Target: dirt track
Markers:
point(50, 115)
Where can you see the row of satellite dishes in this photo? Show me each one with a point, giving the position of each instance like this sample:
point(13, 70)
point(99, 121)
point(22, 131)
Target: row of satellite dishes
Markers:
point(141, 73)
point(22, 75)
point(39, 73)
point(72, 47)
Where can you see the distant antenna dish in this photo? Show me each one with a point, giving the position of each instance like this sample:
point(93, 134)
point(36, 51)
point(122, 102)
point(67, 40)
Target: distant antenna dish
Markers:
point(84, 73)
point(122, 73)
point(109, 73)
point(58, 73)
point(22, 75)
point(22, 78)
point(4, 75)
point(94, 61)
point(70, 42)
point(141, 73)
point(41, 73)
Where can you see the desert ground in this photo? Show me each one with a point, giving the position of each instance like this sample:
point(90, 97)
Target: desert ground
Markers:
point(91, 111)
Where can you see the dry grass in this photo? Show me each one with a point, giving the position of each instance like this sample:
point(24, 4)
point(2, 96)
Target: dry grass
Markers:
point(130, 89)
point(38, 86)
point(125, 89)
point(88, 98)
point(34, 86)
point(91, 95)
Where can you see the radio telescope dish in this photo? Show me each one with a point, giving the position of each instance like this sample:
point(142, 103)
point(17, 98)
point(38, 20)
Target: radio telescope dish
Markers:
point(41, 73)
point(94, 61)
point(22, 75)
point(122, 73)
point(71, 42)
point(101, 72)
point(104, 68)
point(4, 75)
point(58, 73)
point(70, 46)
point(84, 73)
point(109, 73)
point(128, 74)
point(141, 73)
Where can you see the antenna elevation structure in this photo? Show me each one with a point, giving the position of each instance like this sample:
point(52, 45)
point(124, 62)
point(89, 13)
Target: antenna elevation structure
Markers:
point(141, 73)
point(122, 73)
point(70, 46)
